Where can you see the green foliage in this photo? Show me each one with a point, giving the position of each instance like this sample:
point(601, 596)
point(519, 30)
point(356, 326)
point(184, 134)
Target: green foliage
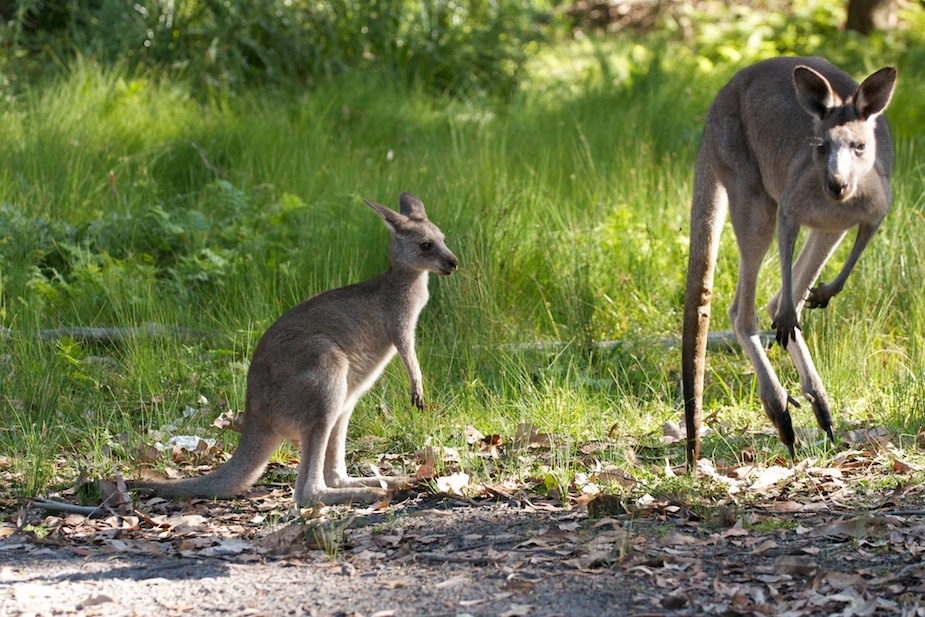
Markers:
point(125, 200)
point(734, 34)
point(739, 33)
point(237, 44)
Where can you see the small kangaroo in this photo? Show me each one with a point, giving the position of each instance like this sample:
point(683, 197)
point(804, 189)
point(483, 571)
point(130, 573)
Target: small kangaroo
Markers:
point(314, 363)
point(788, 142)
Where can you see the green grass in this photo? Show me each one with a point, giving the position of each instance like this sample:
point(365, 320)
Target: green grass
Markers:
point(567, 206)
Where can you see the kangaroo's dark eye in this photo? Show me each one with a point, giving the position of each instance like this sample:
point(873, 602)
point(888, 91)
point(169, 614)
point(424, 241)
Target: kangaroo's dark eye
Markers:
point(426, 246)
point(859, 149)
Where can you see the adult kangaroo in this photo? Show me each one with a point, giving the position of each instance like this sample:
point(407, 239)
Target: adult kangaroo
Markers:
point(788, 142)
point(314, 363)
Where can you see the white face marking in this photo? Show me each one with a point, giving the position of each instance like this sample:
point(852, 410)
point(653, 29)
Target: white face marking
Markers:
point(846, 157)
point(841, 161)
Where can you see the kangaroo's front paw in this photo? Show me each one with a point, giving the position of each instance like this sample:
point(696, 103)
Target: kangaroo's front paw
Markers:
point(819, 296)
point(786, 326)
point(417, 399)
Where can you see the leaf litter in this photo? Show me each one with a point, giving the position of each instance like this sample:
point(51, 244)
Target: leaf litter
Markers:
point(778, 540)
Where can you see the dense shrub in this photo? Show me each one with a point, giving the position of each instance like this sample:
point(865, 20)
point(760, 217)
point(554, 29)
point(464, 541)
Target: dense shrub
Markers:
point(446, 44)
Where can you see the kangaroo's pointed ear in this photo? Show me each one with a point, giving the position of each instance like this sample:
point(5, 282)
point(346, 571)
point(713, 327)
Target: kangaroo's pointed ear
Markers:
point(813, 91)
point(391, 218)
point(875, 92)
point(411, 206)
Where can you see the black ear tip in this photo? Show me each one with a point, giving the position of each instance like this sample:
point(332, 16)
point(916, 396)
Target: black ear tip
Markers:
point(887, 73)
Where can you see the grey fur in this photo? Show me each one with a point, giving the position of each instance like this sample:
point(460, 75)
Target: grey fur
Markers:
point(788, 142)
point(314, 363)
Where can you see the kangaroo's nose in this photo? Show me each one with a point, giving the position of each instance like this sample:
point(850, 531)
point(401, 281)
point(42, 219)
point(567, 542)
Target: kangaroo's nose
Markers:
point(837, 187)
point(453, 263)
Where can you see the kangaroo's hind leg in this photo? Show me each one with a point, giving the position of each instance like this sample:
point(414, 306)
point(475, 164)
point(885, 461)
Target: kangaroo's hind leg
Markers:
point(335, 456)
point(335, 463)
point(754, 221)
point(322, 398)
point(817, 249)
point(322, 441)
point(310, 488)
point(317, 396)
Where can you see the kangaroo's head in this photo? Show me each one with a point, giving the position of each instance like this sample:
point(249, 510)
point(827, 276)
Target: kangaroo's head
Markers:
point(416, 244)
point(844, 144)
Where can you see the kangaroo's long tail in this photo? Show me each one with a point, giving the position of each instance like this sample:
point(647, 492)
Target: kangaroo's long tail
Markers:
point(708, 214)
point(231, 479)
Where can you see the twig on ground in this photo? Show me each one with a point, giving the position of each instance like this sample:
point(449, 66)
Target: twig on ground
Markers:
point(113, 337)
point(69, 508)
point(473, 561)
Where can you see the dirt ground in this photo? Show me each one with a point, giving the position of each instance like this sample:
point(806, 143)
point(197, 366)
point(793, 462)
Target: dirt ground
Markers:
point(454, 556)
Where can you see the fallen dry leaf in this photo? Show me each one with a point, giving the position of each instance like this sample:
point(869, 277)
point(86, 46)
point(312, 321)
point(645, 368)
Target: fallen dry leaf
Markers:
point(900, 466)
point(517, 610)
point(672, 432)
point(856, 528)
point(426, 471)
point(876, 435)
point(453, 484)
point(680, 539)
point(473, 435)
point(94, 600)
point(297, 538)
point(613, 475)
point(230, 420)
point(794, 564)
point(770, 477)
point(529, 437)
point(432, 454)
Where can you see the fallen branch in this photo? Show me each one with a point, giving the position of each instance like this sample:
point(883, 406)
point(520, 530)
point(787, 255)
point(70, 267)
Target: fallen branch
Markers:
point(70, 508)
point(472, 561)
point(114, 337)
point(716, 341)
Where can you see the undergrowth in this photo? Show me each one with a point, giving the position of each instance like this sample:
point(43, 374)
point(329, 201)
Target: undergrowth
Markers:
point(131, 197)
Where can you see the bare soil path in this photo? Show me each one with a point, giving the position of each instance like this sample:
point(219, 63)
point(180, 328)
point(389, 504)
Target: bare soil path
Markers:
point(453, 556)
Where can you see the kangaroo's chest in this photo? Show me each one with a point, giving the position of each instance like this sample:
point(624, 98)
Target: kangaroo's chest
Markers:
point(829, 215)
point(365, 369)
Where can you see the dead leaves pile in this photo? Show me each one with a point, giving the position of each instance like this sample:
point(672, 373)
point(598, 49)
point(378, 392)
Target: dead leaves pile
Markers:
point(854, 566)
point(799, 540)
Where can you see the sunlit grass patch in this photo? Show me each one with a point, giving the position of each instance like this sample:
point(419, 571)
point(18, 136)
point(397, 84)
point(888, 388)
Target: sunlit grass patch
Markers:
point(566, 204)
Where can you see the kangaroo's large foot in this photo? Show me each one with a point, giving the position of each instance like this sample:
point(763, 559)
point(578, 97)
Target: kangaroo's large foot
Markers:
point(778, 411)
point(822, 413)
point(334, 496)
point(387, 482)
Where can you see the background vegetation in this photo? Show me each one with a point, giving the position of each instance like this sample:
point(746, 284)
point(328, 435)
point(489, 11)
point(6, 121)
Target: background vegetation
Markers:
point(202, 164)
